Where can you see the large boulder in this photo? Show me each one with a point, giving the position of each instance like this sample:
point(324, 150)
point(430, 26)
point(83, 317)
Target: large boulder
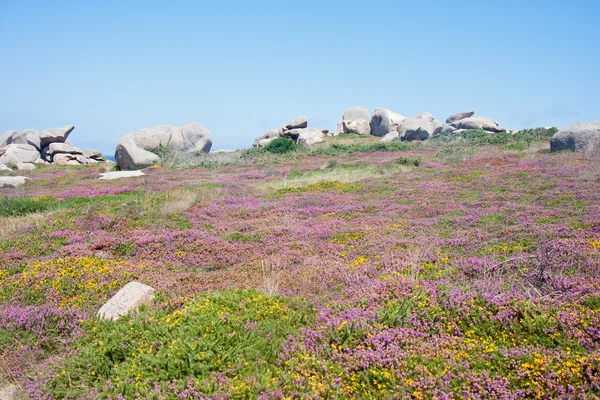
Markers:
point(27, 136)
point(299, 122)
point(459, 116)
point(65, 159)
point(6, 138)
point(353, 121)
point(55, 135)
point(128, 299)
point(384, 121)
point(72, 159)
point(359, 127)
point(137, 149)
point(309, 136)
point(390, 137)
point(448, 128)
point(478, 122)
point(92, 153)
point(581, 137)
point(16, 153)
point(12, 182)
point(420, 127)
point(55, 148)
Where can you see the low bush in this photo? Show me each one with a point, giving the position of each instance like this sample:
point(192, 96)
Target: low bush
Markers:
point(26, 205)
point(338, 148)
point(280, 146)
point(225, 344)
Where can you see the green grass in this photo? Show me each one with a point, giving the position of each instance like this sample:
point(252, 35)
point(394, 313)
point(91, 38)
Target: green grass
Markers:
point(235, 333)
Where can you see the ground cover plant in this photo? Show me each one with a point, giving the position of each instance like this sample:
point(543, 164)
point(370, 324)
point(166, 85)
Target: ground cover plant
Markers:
point(455, 268)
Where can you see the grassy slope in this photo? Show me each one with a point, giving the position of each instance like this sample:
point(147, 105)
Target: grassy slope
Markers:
point(454, 267)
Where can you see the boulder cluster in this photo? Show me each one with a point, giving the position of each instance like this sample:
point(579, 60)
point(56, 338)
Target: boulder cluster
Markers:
point(297, 130)
point(27, 148)
point(425, 125)
point(388, 125)
point(468, 120)
point(139, 149)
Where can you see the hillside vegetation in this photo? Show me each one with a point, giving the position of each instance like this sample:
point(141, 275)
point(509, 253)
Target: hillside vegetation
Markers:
point(467, 266)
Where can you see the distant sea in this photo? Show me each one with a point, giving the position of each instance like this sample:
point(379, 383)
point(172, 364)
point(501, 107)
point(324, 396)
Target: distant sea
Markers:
point(111, 157)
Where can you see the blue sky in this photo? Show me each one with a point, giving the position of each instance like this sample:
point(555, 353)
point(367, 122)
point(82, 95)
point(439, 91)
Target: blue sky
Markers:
point(241, 68)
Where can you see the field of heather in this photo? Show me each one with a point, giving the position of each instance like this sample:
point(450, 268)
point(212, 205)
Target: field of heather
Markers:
point(454, 269)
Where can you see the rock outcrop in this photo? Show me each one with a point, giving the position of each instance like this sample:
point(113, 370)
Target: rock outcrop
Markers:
point(355, 120)
point(30, 147)
point(310, 136)
point(420, 127)
point(296, 130)
point(139, 149)
point(468, 120)
point(384, 121)
point(297, 123)
point(55, 135)
point(16, 153)
point(581, 137)
point(459, 116)
point(128, 299)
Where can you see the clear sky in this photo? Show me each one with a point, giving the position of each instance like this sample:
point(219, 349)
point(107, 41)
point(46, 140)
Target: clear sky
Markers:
point(243, 67)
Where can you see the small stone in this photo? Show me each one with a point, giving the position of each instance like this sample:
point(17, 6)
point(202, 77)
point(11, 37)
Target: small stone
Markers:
point(128, 299)
point(25, 166)
point(13, 182)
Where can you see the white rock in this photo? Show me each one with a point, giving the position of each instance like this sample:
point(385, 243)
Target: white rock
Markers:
point(55, 135)
point(16, 153)
point(120, 174)
point(352, 117)
point(310, 136)
point(360, 127)
point(25, 166)
point(6, 138)
point(13, 182)
point(478, 122)
point(299, 122)
point(5, 168)
point(54, 148)
point(459, 116)
point(128, 299)
point(65, 159)
point(92, 153)
point(390, 137)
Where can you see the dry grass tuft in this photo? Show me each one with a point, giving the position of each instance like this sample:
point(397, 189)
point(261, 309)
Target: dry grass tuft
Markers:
point(12, 224)
point(178, 201)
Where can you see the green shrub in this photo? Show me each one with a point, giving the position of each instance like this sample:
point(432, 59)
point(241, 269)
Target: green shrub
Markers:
point(408, 161)
point(280, 146)
point(338, 148)
point(235, 336)
point(26, 205)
